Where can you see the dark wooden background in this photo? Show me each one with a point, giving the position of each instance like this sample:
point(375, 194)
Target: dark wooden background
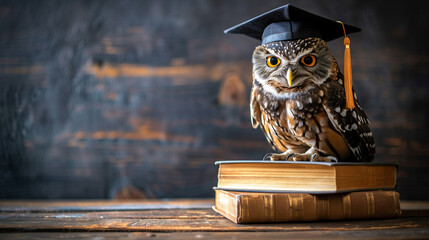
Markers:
point(113, 99)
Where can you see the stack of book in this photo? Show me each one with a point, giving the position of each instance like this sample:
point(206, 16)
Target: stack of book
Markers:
point(282, 191)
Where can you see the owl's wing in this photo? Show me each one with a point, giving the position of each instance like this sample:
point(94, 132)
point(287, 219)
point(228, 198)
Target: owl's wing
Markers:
point(353, 125)
point(255, 109)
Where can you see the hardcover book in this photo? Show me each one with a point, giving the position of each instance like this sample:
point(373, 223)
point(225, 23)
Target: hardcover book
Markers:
point(304, 177)
point(249, 207)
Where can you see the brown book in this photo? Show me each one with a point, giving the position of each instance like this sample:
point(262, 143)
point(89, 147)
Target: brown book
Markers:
point(308, 177)
point(248, 207)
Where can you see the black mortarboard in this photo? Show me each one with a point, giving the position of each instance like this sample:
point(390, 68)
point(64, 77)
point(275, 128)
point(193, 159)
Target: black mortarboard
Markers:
point(289, 23)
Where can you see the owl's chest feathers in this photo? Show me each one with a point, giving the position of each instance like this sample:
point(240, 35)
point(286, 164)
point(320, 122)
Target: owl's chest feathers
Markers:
point(301, 103)
point(295, 119)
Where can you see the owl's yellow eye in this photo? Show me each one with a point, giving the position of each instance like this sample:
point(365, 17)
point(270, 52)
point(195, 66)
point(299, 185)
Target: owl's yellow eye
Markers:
point(308, 60)
point(273, 61)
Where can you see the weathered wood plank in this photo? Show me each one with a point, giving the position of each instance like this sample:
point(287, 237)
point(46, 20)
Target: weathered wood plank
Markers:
point(307, 235)
point(182, 220)
point(217, 225)
point(156, 219)
point(136, 214)
point(102, 205)
point(128, 205)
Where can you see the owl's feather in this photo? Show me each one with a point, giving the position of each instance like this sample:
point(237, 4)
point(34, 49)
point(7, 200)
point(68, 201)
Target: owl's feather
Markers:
point(353, 125)
point(255, 110)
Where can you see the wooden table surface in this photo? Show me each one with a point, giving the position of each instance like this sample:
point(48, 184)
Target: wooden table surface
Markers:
point(185, 219)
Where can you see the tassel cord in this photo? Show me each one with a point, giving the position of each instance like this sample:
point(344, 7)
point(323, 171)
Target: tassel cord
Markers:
point(348, 82)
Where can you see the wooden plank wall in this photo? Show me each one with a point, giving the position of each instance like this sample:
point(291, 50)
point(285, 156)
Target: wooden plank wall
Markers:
point(105, 99)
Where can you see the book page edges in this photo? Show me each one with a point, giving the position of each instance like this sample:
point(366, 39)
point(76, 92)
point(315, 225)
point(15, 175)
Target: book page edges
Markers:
point(225, 214)
point(334, 178)
point(375, 177)
point(228, 204)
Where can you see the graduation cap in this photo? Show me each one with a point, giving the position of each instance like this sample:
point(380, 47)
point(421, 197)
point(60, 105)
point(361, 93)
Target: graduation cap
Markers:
point(289, 23)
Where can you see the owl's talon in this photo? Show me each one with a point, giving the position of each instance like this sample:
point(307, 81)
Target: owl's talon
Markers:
point(267, 157)
point(278, 156)
point(314, 157)
point(324, 159)
point(311, 155)
point(290, 155)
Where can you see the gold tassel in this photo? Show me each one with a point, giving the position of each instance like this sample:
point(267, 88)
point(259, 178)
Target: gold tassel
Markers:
point(348, 82)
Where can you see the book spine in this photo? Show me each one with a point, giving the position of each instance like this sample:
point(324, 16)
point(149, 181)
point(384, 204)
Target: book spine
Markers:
point(307, 207)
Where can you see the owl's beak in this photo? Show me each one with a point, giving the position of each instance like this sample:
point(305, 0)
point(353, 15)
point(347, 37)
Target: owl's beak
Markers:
point(289, 77)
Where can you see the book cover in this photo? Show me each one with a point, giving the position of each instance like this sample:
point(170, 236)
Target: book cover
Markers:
point(307, 177)
point(246, 207)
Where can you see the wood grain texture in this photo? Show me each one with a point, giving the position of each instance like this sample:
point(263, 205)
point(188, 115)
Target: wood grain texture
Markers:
point(114, 99)
point(182, 224)
point(102, 205)
point(182, 219)
point(358, 234)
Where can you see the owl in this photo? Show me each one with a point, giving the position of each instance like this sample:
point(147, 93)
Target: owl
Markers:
point(298, 100)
